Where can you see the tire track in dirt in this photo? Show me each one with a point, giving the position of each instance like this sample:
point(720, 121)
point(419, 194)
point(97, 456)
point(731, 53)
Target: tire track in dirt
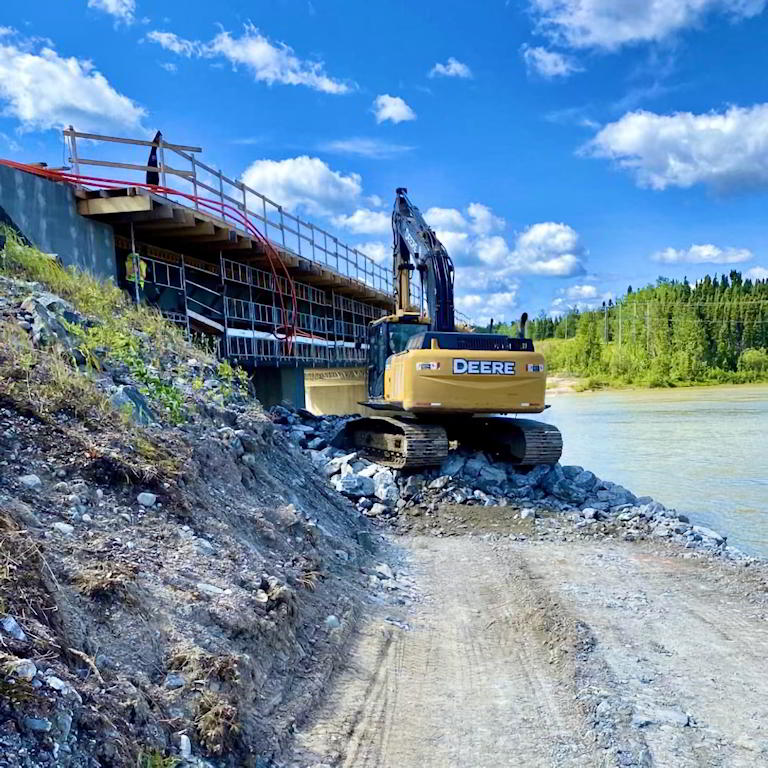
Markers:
point(472, 683)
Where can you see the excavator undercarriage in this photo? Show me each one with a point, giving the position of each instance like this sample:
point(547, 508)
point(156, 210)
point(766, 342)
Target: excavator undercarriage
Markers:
point(408, 443)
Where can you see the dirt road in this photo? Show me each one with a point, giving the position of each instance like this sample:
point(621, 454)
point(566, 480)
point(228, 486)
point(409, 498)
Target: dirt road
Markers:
point(553, 654)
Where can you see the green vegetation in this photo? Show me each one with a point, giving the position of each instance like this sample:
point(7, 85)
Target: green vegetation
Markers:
point(668, 334)
point(155, 759)
point(123, 331)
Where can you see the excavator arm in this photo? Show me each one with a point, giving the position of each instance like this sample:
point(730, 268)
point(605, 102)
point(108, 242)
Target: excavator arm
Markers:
point(416, 247)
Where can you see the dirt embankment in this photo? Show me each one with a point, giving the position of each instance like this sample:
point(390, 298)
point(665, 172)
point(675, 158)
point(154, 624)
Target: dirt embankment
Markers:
point(511, 649)
point(177, 582)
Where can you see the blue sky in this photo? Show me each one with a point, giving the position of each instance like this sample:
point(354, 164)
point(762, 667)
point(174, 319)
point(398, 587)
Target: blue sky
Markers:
point(562, 149)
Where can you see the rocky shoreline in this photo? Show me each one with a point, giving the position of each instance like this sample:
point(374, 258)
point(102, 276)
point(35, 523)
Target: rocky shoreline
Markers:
point(564, 500)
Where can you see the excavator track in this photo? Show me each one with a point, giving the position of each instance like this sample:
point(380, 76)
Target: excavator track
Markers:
point(408, 444)
point(519, 441)
point(397, 443)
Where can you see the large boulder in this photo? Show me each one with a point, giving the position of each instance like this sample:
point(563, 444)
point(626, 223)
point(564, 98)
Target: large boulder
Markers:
point(452, 464)
point(385, 487)
point(129, 400)
point(474, 465)
point(355, 486)
point(493, 475)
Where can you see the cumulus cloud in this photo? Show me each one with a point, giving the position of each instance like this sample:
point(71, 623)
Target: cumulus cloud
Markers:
point(364, 221)
point(452, 68)
point(268, 62)
point(703, 254)
point(608, 24)
point(392, 108)
point(380, 252)
point(550, 249)
point(122, 10)
point(365, 147)
point(481, 307)
point(757, 273)
point(483, 219)
point(726, 150)
point(548, 64)
point(581, 292)
point(445, 219)
point(305, 183)
point(44, 90)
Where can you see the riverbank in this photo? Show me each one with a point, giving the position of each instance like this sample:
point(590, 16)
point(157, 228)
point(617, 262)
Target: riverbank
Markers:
point(539, 618)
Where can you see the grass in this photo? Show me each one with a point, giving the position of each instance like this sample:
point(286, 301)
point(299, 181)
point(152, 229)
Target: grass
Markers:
point(136, 335)
point(106, 581)
point(201, 665)
point(217, 722)
point(156, 759)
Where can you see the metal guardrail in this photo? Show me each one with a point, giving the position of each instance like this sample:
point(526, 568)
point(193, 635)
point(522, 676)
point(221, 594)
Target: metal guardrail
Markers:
point(291, 232)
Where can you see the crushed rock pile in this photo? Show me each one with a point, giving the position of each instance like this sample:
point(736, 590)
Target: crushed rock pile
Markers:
point(558, 499)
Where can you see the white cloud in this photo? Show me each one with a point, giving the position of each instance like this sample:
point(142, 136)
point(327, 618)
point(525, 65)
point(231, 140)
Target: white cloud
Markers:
point(43, 90)
point(175, 44)
point(549, 249)
point(364, 221)
point(122, 10)
point(379, 252)
point(725, 150)
point(304, 182)
point(452, 68)
point(268, 62)
point(445, 219)
point(500, 305)
point(581, 292)
point(483, 219)
point(548, 64)
point(374, 148)
point(703, 254)
point(392, 108)
point(757, 273)
point(609, 24)
point(169, 66)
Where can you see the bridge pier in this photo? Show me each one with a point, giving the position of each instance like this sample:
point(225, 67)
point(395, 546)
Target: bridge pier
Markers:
point(276, 386)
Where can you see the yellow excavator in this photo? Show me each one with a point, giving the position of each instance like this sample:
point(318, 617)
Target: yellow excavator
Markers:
point(437, 388)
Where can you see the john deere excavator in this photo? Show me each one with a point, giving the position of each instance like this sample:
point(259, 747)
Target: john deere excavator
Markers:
point(435, 386)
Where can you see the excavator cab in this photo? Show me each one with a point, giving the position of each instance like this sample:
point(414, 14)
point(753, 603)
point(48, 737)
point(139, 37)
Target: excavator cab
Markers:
point(386, 337)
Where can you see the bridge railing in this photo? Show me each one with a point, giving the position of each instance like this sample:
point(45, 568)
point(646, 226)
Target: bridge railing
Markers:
point(192, 176)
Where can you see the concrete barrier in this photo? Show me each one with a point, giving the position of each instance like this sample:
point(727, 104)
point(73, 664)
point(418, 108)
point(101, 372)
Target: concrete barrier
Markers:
point(45, 212)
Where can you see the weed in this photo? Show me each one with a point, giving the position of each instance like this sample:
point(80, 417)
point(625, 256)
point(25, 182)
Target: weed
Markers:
point(156, 759)
point(106, 580)
point(217, 722)
point(309, 579)
point(200, 665)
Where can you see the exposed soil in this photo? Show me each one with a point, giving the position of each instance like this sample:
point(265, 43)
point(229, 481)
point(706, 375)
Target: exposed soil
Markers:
point(514, 652)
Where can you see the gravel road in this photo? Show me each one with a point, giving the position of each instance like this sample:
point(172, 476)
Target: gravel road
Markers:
point(538, 653)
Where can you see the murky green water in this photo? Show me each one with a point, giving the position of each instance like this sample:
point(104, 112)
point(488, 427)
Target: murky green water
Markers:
point(703, 451)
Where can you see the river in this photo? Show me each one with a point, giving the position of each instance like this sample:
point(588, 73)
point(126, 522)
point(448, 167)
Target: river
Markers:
point(702, 451)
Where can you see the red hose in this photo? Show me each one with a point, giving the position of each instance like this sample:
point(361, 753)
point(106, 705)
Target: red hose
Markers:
point(288, 329)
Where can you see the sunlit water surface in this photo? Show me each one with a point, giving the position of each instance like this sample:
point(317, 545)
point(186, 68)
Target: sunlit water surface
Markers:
point(702, 451)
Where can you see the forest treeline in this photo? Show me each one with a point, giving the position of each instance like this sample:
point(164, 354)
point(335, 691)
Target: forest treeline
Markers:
point(667, 334)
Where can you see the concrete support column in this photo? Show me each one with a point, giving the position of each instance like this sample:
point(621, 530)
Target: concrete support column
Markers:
point(275, 386)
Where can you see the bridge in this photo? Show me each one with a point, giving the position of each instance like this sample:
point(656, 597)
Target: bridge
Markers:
point(278, 294)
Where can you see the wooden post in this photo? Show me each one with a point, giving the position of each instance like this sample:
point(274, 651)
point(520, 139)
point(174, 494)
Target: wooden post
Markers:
point(161, 152)
point(73, 150)
point(194, 182)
